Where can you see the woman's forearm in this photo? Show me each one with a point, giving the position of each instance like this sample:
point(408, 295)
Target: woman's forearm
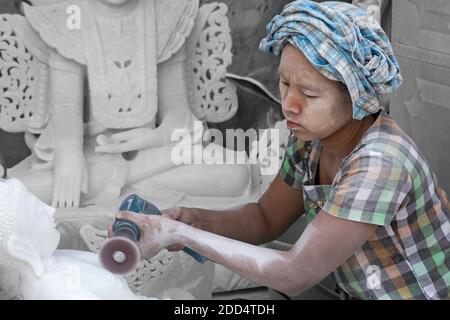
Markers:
point(268, 267)
point(245, 223)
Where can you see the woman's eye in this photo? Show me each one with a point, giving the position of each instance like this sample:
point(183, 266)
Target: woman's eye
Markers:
point(309, 96)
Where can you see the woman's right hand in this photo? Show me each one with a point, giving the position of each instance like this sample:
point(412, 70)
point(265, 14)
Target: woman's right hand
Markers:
point(181, 214)
point(157, 232)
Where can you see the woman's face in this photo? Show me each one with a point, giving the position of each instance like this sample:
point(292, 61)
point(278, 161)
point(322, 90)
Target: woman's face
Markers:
point(314, 106)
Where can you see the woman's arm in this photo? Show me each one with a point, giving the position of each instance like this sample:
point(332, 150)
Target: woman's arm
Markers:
point(256, 223)
point(325, 244)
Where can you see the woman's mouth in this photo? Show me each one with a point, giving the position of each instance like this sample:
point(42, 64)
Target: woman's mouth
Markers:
point(293, 126)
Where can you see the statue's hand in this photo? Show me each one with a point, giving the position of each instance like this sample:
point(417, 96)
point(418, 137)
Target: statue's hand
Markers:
point(70, 177)
point(131, 140)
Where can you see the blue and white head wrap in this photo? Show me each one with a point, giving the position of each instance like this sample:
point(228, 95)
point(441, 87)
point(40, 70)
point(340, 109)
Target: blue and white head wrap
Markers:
point(344, 44)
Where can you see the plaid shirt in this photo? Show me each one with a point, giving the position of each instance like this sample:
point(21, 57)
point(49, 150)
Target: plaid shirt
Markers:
point(385, 181)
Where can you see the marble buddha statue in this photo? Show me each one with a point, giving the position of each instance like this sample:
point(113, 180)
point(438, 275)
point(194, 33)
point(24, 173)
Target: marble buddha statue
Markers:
point(28, 241)
point(117, 90)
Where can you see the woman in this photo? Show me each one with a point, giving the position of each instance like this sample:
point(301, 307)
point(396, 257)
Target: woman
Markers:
point(378, 218)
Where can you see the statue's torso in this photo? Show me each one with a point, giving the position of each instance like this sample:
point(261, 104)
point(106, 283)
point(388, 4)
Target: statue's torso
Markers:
point(122, 67)
point(121, 53)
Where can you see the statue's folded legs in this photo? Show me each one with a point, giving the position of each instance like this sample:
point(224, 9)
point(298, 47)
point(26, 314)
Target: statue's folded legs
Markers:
point(109, 174)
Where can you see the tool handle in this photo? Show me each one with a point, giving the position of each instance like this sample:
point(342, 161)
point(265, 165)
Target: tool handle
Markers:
point(198, 257)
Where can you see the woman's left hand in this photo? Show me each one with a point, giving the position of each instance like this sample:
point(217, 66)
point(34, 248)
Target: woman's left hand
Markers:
point(157, 232)
point(131, 140)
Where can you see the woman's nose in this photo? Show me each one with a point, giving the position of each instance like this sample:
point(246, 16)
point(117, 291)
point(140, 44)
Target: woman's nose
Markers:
point(292, 102)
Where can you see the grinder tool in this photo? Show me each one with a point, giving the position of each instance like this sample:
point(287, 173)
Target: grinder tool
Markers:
point(120, 254)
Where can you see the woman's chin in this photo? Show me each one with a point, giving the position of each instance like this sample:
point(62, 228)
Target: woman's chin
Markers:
point(303, 135)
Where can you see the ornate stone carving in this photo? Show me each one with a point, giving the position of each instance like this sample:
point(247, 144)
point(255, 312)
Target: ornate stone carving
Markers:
point(213, 97)
point(23, 80)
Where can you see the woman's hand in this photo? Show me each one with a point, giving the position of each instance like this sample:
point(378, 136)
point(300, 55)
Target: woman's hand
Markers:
point(184, 215)
point(131, 140)
point(70, 177)
point(157, 232)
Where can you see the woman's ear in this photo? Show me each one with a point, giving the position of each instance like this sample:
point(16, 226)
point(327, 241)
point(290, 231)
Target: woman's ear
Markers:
point(25, 251)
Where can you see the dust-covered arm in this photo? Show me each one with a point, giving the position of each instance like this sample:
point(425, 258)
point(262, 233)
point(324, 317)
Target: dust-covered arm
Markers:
point(325, 244)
